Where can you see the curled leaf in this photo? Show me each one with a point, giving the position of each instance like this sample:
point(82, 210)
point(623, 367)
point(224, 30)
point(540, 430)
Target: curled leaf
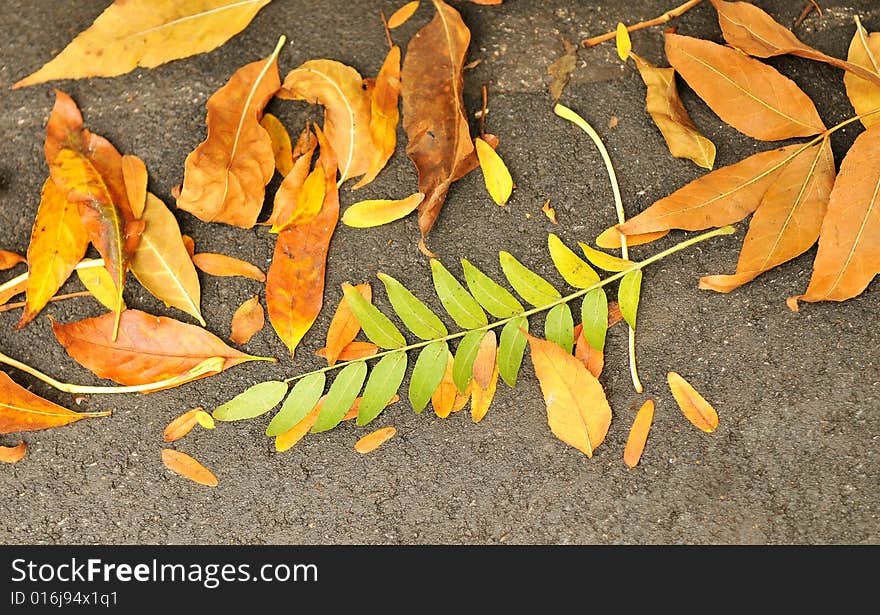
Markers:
point(374, 440)
point(697, 410)
point(188, 467)
point(638, 434)
point(13, 454)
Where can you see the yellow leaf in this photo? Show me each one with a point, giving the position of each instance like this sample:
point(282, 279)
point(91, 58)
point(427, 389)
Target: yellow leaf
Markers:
point(374, 440)
point(204, 419)
point(481, 397)
point(697, 410)
point(638, 434)
point(366, 214)
point(498, 180)
point(605, 261)
point(864, 51)
point(98, 282)
point(308, 202)
point(281, 145)
point(624, 44)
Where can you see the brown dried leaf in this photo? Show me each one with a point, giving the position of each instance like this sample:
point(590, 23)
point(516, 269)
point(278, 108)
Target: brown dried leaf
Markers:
point(181, 426)
point(248, 320)
point(549, 212)
point(21, 410)
point(638, 434)
point(374, 440)
point(221, 265)
point(13, 454)
point(188, 467)
point(561, 69)
point(697, 410)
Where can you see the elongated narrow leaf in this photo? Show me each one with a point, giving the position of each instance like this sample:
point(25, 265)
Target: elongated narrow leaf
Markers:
point(375, 324)
point(456, 300)
point(222, 265)
point(8, 259)
point(609, 239)
point(286, 201)
point(694, 406)
point(628, 296)
point(638, 434)
point(402, 15)
point(559, 327)
point(864, 51)
point(571, 266)
point(384, 115)
point(98, 282)
point(427, 374)
point(577, 409)
point(494, 298)
point(444, 398)
point(749, 95)
point(134, 174)
point(344, 326)
point(594, 317)
point(248, 320)
point(282, 148)
point(147, 33)
point(21, 410)
point(180, 426)
point(605, 261)
point(300, 401)
point(530, 286)
point(341, 396)
point(374, 440)
point(593, 360)
point(13, 287)
point(366, 214)
point(486, 360)
point(255, 401)
point(482, 396)
point(385, 380)
point(225, 177)
point(417, 316)
point(356, 350)
point(296, 433)
point(499, 184)
point(465, 355)
point(188, 467)
point(13, 454)
point(511, 348)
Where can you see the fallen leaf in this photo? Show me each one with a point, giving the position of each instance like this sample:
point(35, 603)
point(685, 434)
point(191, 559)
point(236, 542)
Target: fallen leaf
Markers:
point(248, 320)
point(571, 267)
point(188, 467)
point(221, 265)
point(132, 33)
point(613, 121)
point(98, 282)
point(864, 51)
point(550, 212)
point(357, 350)
point(181, 426)
point(605, 261)
point(309, 200)
point(255, 401)
point(402, 15)
point(384, 115)
point(561, 69)
point(13, 454)
point(623, 42)
point(499, 184)
point(481, 397)
point(577, 409)
point(382, 385)
point(344, 327)
point(189, 244)
point(434, 118)
point(134, 174)
point(609, 239)
point(298, 431)
point(287, 197)
point(638, 434)
point(751, 96)
point(444, 396)
point(8, 259)
point(149, 348)
point(697, 410)
point(484, 363)
point(21, 410)
point(356, 406)
point(282, 148)
point(374, 440)
point(225, 177)
point(665, 107)
point(593, 359)
point(10, 289)
point(367, 214)
point(301, 398)
point(204, 419)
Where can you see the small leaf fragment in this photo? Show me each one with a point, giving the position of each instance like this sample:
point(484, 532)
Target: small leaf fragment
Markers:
point(456, 300)
point(427, 374)
point(530, 286)
point(628, 296)
point(382, 385)
point(254, 402)
point(341, 396)
point(300, 401)
point(188, 467)
point(511, 348)
point(204, 419)
point(550, 212)
point(697, 410)
point(495, 173)
point(221, 265)
point(573, 268)
point(8, 259)
point(248, 320)
point(374, 440)
point(13, 454)
point(417, 316)
point(493, 297)
point(638, 434)
point(377, 327)
point(367, 214)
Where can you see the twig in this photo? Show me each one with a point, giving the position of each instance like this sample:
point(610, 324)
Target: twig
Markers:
point(483, 112)
point(811, 6)
point(387, 31)
point(664, 18)
point(21, 304)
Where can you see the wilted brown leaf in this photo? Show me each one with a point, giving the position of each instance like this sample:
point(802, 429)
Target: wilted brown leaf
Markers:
point(13, 454)
point(638, 434)
point(248, 320)
point(374, 440)
point(21, 410)
point(188, 467)
point(697, 410)
point(221, 265)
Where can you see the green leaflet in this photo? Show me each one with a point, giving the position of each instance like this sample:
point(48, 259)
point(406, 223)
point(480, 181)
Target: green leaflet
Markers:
point(530, 286)
point(605, 261)
point(456, 300)
point(463, 366)
point(559, 327)
point(257, 400)
point(511, 349)
point(302, 398)
point(494, 298)
point(628, 296)
point(383, 384)
point(341, 395)
point(571, 266)
point(417, 316)
point(375, 324)
point(594, 317)
point(427, 374)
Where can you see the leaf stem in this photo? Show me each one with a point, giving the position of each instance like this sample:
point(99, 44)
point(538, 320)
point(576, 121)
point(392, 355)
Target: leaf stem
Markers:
point(665, 17)
point(85, 264)
point(21, 304)
point(724, 230)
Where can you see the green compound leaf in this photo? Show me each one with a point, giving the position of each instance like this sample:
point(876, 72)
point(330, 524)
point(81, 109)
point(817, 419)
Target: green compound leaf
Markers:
point(572, 267)
point(417, 316)
point(255, 401)
point(594, 317)
point(381, 387)
point(559, 327)
point(302, 398)
point(494, 298)
point(341, 395)
point(463, 366)
point(628, 296)
point(377, 327)
point(605, 261)
point(511, 349)
point(530, 286)
point(456, 300)
point(427, 374)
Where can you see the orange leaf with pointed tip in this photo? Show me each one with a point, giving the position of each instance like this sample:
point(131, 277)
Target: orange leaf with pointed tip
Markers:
point(287, 196)
point(221, 265)
point(484, 363)
point(356, 406)
point(353, 351)
point(8, 259)
point(481, 397)
point(282, 148)
point(225, 177)
point(593, 360)
point(638, 434)
point(344, 326)
point(577, 409)
point(697, 410)
point(21, 410)
point(864, 51)
point(402, 15)
point(134, 174)
point(434, 117)
point(751, 96)
point(384, 115)
point(374, 440)
point(149, 348)
point(787, 221)
point(248, 320)
point(444, 396)
point(181, 426)
point(13, 454)
point(298, 431)
point(188, 467)
point(609, 239)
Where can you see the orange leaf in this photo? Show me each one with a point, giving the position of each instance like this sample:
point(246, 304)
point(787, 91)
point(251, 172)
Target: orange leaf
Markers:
point(189, 244)
point(298, 431)
point(353, 351)
point(481, 397)
point(384, 115)
point(577, 409)
point(344, 326)
point(402, 15)
point(8, 259)
point(248, 320)
point(13, 454)
point(287, 196)
point(10, 290)
point(309, 198)
point(21, 410)
point(149, 348)
point(614, 314)
point(484, 363)
point(638, 434)
point(181, 426)
point(282, 148)
point(550, 212)
point(610, 238)
point(356, 406)
point(374, 440)
point(225, 177)
point(187, 467)
point(593, 360)
point(222, 265)
point(443, 398)
point(134, 174)
point(697, 410)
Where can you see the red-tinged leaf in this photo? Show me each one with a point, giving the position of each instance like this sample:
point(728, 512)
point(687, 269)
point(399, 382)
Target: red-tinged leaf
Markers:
point(13, 454)
point(8, 259)
point(226, 175)
point(374, 440)
point(694, 406)
point(384, 115)
point(638, 434)
point(149, 348)
point(21, 410)
point(344, 326)
point(577, 409)
point(188, 467)
point(221, 265)
point(181, 426)
point(248, 320)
